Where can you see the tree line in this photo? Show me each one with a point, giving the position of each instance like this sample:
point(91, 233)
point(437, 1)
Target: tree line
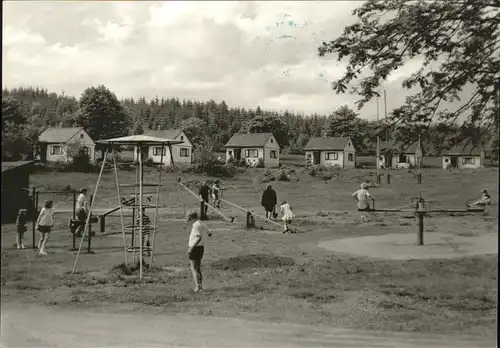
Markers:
point(28, 111)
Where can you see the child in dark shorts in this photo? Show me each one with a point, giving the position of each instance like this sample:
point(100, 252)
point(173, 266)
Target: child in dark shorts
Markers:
point(197, 237)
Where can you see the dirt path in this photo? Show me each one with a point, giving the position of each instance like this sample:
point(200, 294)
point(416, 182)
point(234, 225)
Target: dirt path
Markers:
point(36, 326)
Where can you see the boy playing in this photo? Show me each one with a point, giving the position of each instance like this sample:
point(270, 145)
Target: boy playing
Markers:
point(216, 194)
point(363, 196)
point(197, 237)
point(146, 230)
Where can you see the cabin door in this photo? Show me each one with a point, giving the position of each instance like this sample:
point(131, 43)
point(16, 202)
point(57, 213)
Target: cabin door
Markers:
point(316, 157)
point(237, 154)
point(454, 161)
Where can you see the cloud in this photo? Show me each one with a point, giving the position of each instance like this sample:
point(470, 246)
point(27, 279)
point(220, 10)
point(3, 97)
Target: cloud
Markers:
point(246, 53)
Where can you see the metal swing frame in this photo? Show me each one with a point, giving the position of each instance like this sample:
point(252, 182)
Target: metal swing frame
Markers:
point(140, 142)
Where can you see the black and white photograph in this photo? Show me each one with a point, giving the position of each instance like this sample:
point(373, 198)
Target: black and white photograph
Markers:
point(250, 173)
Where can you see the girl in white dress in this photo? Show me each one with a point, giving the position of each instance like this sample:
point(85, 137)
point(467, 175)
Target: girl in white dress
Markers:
point(287, 215)
point(44, 225)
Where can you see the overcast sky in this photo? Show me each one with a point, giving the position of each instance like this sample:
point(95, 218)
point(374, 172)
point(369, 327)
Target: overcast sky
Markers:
point(246, 53)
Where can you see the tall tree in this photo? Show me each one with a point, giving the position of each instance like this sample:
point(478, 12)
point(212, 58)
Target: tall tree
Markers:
point(194, 130)
point(101, 114)
point(267, 124)
point(11, 111)
point(459, 42)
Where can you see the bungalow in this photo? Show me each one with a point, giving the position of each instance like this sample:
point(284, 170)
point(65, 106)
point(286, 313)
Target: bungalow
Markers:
point(331, 151)
point(398, 155)
point(254, 147)
point(55, 144)
point(464, 156)
point(15, 189)
point(181, 153)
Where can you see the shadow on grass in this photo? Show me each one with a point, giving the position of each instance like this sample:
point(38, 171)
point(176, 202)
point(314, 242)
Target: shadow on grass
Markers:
point(252, 261)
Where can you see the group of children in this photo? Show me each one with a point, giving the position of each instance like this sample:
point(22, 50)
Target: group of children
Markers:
point(45, 220)
point(43, 225)
point(363, 197)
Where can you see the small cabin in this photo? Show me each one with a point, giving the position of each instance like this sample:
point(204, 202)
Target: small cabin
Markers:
point(331, 151)
point(254, 148)
point(56, 144)
point(398, 155)
point(181, 153)
point(464, 156)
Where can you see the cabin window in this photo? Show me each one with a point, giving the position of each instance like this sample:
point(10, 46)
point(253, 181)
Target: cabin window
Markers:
point(81, 136)
point(251, 153)
point(184, 152)
point(402, 158)
point(271, 140)
point(273, 154)
point(446, 160)
point(56, 150)
point(331, 156)
point(86, 150)
point(182, 137)
point(157, 151)
point(350, 157)
point(468, 160)
point(230, 153)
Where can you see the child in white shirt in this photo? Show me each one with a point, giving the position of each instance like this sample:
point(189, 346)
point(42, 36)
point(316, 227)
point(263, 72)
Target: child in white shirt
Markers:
point(287, 215)
point(363, 197)
point(44, 224)
point(197, 237)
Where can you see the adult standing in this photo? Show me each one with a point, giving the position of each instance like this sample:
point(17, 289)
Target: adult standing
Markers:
point(81, 211)
point(197, 237)
point(269, 201)
point(204, 195)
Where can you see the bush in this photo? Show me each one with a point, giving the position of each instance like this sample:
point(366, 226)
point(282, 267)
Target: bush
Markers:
point(206, 163)
point(238, 163)
point(325, 173)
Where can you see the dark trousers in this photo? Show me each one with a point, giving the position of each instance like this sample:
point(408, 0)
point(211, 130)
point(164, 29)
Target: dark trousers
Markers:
point(203, 210)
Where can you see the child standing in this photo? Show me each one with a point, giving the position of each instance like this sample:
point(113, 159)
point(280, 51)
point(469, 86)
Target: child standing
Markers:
point(363, 196)
point(146, 230)
point(44, 224)
point(81, 211)
point(216, 194)
point(197, 237)
point(287, 217)
point(21, 220)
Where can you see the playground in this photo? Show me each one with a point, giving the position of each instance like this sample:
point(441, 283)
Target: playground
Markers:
point(334, 270)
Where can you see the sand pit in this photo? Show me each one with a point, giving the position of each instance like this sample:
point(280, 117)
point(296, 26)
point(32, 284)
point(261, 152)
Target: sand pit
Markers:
point(404, 246)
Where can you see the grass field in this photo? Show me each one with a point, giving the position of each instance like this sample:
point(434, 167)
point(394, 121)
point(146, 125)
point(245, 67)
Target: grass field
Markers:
point(264, 275)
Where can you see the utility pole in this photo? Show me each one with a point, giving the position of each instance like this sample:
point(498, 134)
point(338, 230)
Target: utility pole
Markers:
point(387, 165)
point(378, 145)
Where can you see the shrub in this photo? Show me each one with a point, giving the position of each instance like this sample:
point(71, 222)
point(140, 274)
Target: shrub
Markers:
point(206, 163)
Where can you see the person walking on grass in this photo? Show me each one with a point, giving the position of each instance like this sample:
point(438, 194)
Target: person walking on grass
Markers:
point(204, 194)
point(269, 201)
point(287, 216)
point(22, 218)
point(199, 233)
point(81, 212)
point(363, 197)
point(44, 224)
